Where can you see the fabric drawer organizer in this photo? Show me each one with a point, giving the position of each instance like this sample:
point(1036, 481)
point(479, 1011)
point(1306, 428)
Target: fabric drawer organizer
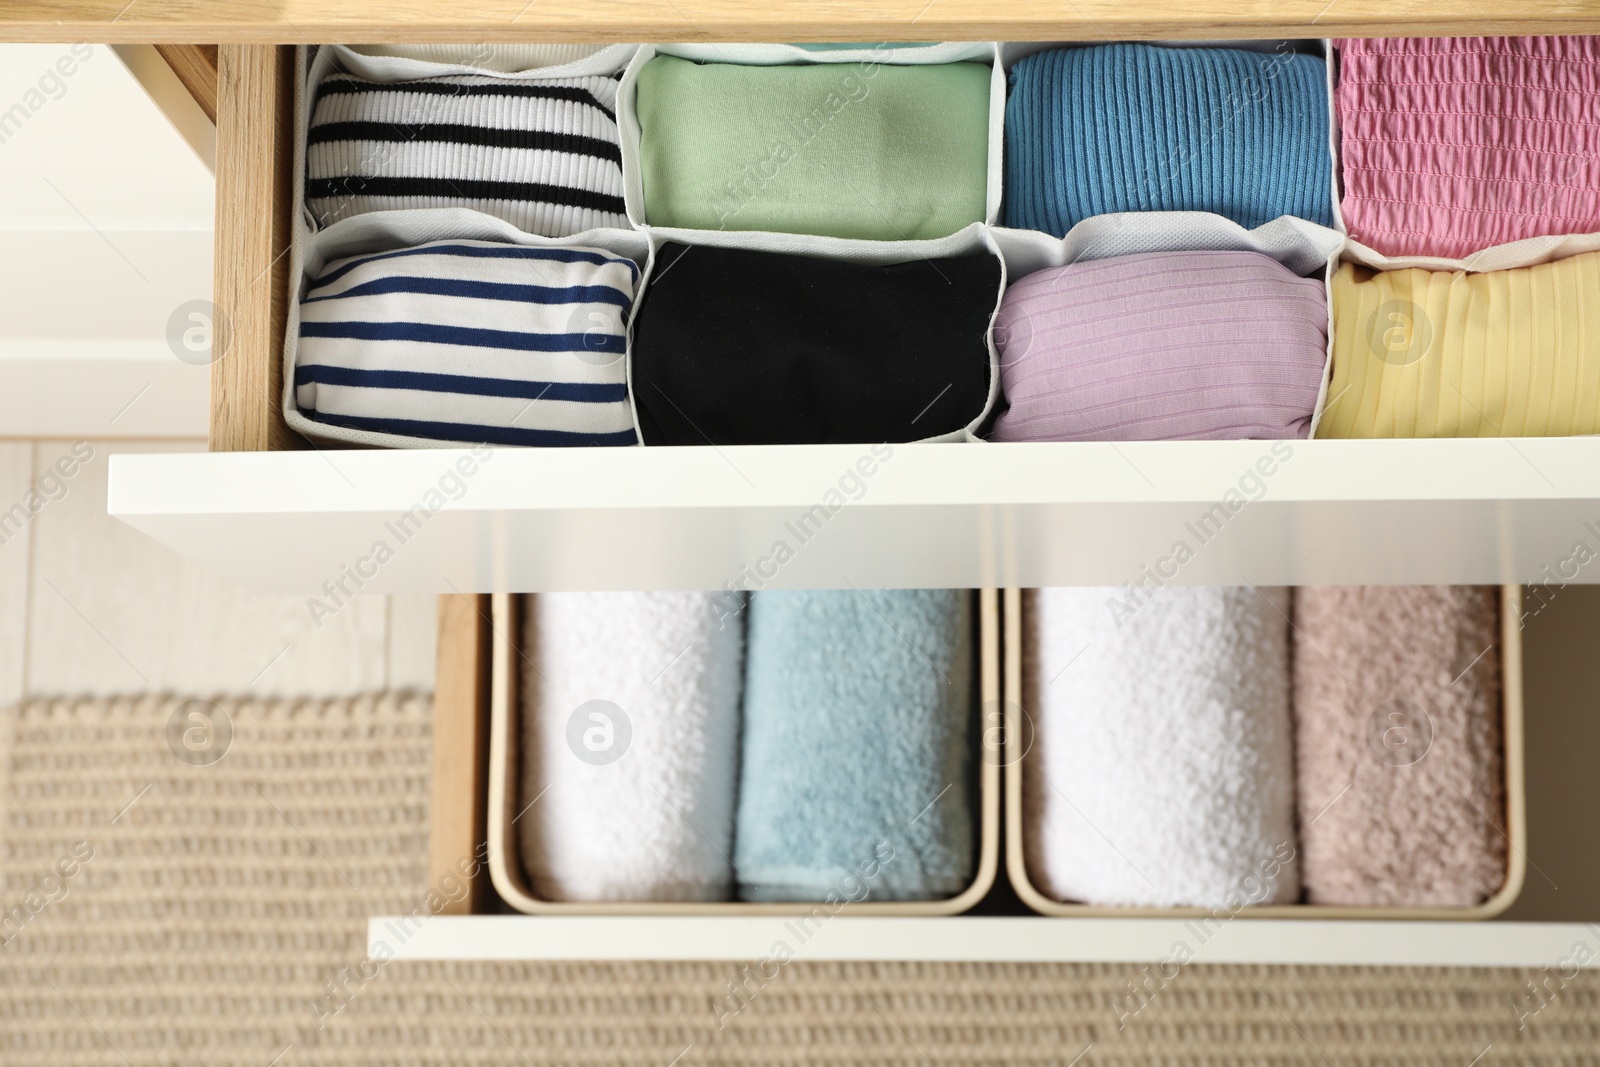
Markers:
point(664, 797)
point(1265, 154)
point(1470, 169)
point(537, 408)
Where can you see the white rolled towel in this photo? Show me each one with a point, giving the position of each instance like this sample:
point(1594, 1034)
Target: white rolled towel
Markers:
point(1161, 770)
point(630, 754)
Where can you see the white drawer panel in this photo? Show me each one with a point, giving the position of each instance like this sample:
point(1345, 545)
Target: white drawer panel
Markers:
point(1011, 940)
point(525, 520)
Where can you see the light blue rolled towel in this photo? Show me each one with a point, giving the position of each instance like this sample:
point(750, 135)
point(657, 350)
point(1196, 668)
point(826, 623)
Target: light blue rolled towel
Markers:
point(857, 773)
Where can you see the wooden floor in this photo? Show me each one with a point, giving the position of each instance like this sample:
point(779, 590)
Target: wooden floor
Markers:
point(89, 606)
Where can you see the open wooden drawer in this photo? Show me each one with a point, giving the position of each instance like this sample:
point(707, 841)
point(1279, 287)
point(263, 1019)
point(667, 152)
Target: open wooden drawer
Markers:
point(276, 515)
point(1542, 928)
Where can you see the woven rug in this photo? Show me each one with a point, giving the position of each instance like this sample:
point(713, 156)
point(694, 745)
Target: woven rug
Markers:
point(188, 883)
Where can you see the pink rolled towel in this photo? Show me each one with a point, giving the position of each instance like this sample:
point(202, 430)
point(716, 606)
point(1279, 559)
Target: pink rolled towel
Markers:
point(1161, 346)
point(1397, 731)
point(1449, 145)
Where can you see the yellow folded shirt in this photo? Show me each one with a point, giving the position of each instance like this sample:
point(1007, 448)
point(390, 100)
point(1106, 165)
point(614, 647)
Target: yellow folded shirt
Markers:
point(1420, 353)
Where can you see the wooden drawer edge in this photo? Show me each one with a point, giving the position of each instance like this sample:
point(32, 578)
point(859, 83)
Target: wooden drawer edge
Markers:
point(255, 150)
point(465, 21)
point(460, 755)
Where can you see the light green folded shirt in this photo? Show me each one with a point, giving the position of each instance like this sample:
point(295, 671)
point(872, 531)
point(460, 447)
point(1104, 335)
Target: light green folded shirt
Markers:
point(865, 150)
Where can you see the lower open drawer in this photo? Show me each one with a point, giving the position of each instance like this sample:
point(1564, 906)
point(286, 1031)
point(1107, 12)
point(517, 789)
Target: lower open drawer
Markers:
point(481, 926)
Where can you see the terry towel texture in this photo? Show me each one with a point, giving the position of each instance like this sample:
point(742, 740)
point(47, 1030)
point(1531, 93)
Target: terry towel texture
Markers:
point(1161, 771)
point(541, 153)
point(1512, 353)
point(630, 798)
point(858, 719)
point(1138, 127)
point(1397, 722)
point(741, 347)
point(1161, 346)
point(842, 149)
point(471, 342)
point(1450, 145)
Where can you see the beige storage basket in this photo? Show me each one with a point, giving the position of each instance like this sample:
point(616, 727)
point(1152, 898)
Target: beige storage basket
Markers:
point(1016, 738)
point(504, 849)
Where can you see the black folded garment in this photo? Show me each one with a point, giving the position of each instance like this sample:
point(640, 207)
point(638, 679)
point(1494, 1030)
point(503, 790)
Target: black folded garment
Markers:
point(734, 347)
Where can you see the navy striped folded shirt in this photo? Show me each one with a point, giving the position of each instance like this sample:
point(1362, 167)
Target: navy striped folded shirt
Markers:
point(541, 153)
point(471, 342)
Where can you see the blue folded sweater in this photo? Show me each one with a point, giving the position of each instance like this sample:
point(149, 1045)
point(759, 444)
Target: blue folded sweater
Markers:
point(1137, 127)
point(857, 779)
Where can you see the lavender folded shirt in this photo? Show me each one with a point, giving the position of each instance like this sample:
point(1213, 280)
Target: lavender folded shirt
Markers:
point(1161, 346)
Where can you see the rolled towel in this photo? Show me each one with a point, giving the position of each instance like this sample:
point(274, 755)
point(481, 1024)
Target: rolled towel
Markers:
point(888, 153)
point(1397, 723)
point(541, 153)
point(857, 775)
point(1161, 346)
point(1513, 353)
point(741, 347)
point(1137, 127)
point(1161, 771)
point(1449, 145)
point(630, 723)
point(471, 342)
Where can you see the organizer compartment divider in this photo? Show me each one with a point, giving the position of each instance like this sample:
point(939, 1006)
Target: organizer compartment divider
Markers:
point(974, 238)
point(1290, 241)
point(505, 804)
point(311, 248)
point(381, 231)
point(1525, 253)
point(785, 54)
point(1304, 247)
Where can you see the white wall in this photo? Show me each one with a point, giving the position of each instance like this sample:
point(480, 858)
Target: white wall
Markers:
point(105, 230)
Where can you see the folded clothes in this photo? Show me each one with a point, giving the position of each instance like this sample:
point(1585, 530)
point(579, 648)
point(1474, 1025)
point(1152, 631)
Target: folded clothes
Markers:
point(1397, 723)
point(471, 342)
point(1513, 353)
point(1449, 145)
point(1161, 346)
point(1137, 127)
point(630, 723)
point(1161, 771)
point(541, 153)
point(732, 346)
point(866, 150)
point(857, 776)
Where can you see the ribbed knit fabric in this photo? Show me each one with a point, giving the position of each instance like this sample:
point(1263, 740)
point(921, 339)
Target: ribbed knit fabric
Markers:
point(864, 150)
point(1137, 127)
point(1450, 145)
point(540, 153)
point(735, 346)
point(1161, 346)
point(471, 342)
point(1397, 730)
point(1421, 353)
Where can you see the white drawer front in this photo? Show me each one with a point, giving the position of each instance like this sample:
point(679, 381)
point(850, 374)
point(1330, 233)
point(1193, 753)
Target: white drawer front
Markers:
point(831, 516)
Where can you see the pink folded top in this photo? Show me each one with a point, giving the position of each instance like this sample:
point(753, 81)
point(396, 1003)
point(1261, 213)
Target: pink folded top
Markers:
point(1452, 145)
point(1161, 346)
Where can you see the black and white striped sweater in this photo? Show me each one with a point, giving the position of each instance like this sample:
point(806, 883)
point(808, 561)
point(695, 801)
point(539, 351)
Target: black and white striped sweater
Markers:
point(541, 153)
